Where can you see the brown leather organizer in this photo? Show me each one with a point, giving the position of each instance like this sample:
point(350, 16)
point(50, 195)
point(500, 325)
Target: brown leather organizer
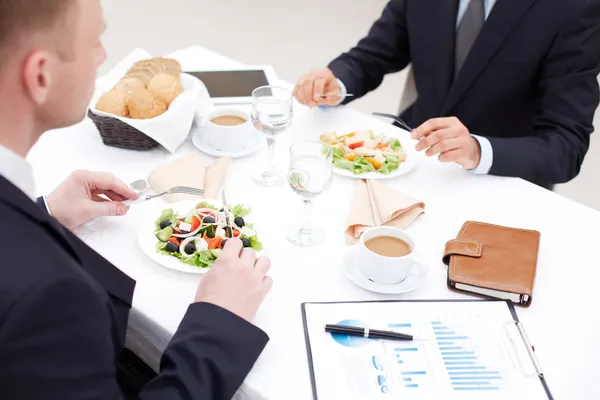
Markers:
point(493, 261)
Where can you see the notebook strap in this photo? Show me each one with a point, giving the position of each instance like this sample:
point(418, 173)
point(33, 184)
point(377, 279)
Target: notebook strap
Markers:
point(470, 248)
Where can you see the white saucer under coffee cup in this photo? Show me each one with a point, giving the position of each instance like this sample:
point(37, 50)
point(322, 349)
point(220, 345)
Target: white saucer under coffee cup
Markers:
point(227, 138)
point(381, 269)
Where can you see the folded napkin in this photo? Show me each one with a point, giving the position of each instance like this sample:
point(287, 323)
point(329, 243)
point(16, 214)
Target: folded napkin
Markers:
point(375, 204)
point(190, 170)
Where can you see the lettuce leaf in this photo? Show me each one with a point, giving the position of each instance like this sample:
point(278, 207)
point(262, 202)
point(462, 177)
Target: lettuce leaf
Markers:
point(255, 243)
point(338, 152)
point(343, 164)
point(202, 259)
point(204, 204)
point(391, 164)
point(167, 214)
point(238, 210)
point(362, 166)
point(394, 144)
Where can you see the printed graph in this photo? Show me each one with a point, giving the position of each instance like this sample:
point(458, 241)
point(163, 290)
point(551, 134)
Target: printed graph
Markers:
point(466, 370)
point(410, 357)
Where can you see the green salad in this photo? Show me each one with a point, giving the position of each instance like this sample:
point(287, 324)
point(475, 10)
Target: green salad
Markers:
point(363, 151)
point(198, 237)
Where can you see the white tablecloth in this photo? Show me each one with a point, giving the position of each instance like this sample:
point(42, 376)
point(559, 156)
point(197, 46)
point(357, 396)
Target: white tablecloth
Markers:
point(561, 322)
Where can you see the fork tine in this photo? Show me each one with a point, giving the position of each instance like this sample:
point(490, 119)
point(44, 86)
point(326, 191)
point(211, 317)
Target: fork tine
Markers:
point(191, 191)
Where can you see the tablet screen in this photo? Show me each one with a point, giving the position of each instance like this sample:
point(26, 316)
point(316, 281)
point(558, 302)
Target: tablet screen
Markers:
point(231, 83)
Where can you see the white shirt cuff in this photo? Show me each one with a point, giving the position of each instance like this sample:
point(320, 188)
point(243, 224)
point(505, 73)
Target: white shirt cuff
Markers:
point(46, 204)
point(343, 92)
point(487, 156)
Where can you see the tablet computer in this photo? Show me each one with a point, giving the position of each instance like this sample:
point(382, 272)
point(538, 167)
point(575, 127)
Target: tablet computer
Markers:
point(235, 86)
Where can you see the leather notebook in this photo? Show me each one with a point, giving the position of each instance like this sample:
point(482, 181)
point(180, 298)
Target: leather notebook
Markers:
point(493, 261)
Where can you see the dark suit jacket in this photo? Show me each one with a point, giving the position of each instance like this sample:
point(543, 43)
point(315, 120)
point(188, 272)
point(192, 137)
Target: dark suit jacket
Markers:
point(63, 319)
point(529, 84)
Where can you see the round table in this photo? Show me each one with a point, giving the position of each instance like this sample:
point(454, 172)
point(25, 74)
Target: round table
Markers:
point(561, 321)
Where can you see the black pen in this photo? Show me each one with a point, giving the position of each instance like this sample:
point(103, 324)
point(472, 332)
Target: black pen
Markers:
point(366, 332)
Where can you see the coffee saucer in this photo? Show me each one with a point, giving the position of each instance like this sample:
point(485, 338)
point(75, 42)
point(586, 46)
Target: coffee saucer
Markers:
point(203, 145)
point(415, 278)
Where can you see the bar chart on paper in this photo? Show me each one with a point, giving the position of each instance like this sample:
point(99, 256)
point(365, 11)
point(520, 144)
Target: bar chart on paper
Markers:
point(458, 352)
point(467, 371)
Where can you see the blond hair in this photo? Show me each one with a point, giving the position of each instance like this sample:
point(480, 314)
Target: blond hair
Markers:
point(19, 18)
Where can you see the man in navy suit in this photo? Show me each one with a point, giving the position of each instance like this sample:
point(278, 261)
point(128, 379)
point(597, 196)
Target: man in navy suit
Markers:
point(63, 308)
point(505, 87)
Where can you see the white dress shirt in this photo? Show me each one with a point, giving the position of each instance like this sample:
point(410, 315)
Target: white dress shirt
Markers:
point(487, 153)
point(18, 171)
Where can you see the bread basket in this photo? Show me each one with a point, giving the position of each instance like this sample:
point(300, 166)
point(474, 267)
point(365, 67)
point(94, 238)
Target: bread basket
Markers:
point(116, 133)
point(169, 129)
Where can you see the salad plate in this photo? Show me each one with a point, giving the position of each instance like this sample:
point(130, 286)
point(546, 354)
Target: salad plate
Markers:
point(189, 236)
point(364, 154)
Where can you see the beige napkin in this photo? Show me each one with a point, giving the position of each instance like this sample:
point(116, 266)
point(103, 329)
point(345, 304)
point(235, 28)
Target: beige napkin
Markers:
point(190, 170)
point(375, 204)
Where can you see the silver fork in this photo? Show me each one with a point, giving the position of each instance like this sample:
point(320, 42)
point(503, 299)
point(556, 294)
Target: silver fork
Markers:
point(395, 118)
point(175, 190)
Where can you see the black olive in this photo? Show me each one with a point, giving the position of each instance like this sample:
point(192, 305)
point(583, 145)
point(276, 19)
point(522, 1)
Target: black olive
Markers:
point(165, 223)
point(239, 221)
point(172, 247)
point(222, 210)
point(208, 220)
point(183, 232)
point(190, 248)
point(223, 243)
point(246, 242)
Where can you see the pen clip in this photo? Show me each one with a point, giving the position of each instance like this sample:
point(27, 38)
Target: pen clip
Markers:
point(528, 346)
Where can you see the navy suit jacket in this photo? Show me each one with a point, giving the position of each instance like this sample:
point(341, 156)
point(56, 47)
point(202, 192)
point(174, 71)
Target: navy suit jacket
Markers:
point(529, 83)
point(63, 320)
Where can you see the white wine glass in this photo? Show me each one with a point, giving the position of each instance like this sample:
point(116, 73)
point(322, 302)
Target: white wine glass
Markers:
point(309, 175)
point(272, 114)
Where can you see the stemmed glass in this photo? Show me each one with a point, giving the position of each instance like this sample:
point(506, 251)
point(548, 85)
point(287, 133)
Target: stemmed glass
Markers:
point(309, 175)
point(272, 114)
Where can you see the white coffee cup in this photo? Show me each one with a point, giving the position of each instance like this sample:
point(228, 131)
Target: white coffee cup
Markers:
point(227, 138)
point(381, 269)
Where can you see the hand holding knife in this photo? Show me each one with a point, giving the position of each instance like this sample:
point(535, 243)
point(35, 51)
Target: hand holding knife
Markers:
point(229, 229)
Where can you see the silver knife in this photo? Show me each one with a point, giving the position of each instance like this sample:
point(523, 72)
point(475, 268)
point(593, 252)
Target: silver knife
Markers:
point(229, 231)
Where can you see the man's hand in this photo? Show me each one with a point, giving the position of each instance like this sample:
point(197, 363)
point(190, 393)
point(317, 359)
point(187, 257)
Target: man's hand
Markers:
point(237, 281)
point(449, 138)
point(77, 200)
point(311, 86)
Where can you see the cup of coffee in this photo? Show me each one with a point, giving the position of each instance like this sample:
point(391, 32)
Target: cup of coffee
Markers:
point(386, 255)
point(227, 129)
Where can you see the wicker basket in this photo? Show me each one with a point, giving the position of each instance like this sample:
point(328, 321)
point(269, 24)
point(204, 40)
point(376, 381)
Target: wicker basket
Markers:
point(117, 133)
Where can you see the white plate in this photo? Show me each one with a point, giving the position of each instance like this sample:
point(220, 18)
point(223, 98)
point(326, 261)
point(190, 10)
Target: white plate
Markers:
point(147, 240)
point(205, 147)
point(411, 161)
point(415, 278)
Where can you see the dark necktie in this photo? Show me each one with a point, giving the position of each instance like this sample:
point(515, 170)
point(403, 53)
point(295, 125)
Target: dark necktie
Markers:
point(467, 32)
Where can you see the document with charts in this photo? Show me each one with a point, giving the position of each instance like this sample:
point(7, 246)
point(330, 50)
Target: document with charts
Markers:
point(462, 350)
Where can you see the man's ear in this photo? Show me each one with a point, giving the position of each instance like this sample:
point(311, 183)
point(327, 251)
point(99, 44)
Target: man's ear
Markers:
point(36, 76)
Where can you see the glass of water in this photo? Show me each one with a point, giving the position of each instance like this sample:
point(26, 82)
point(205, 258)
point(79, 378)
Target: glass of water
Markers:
point(309, 176)
point(272, 114)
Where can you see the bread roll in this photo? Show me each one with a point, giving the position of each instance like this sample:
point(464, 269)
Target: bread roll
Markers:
point(145, 70)
point(143, 105)
point(130, 83)
point(165, 87)
point(114, 102)
point(172, 67)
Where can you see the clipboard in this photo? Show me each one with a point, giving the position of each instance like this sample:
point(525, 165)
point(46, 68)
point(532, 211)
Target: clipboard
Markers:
point(529, 347)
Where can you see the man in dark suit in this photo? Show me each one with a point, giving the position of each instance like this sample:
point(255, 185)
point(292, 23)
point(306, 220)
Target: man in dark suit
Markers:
point(505, 87)
point(63, 308)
